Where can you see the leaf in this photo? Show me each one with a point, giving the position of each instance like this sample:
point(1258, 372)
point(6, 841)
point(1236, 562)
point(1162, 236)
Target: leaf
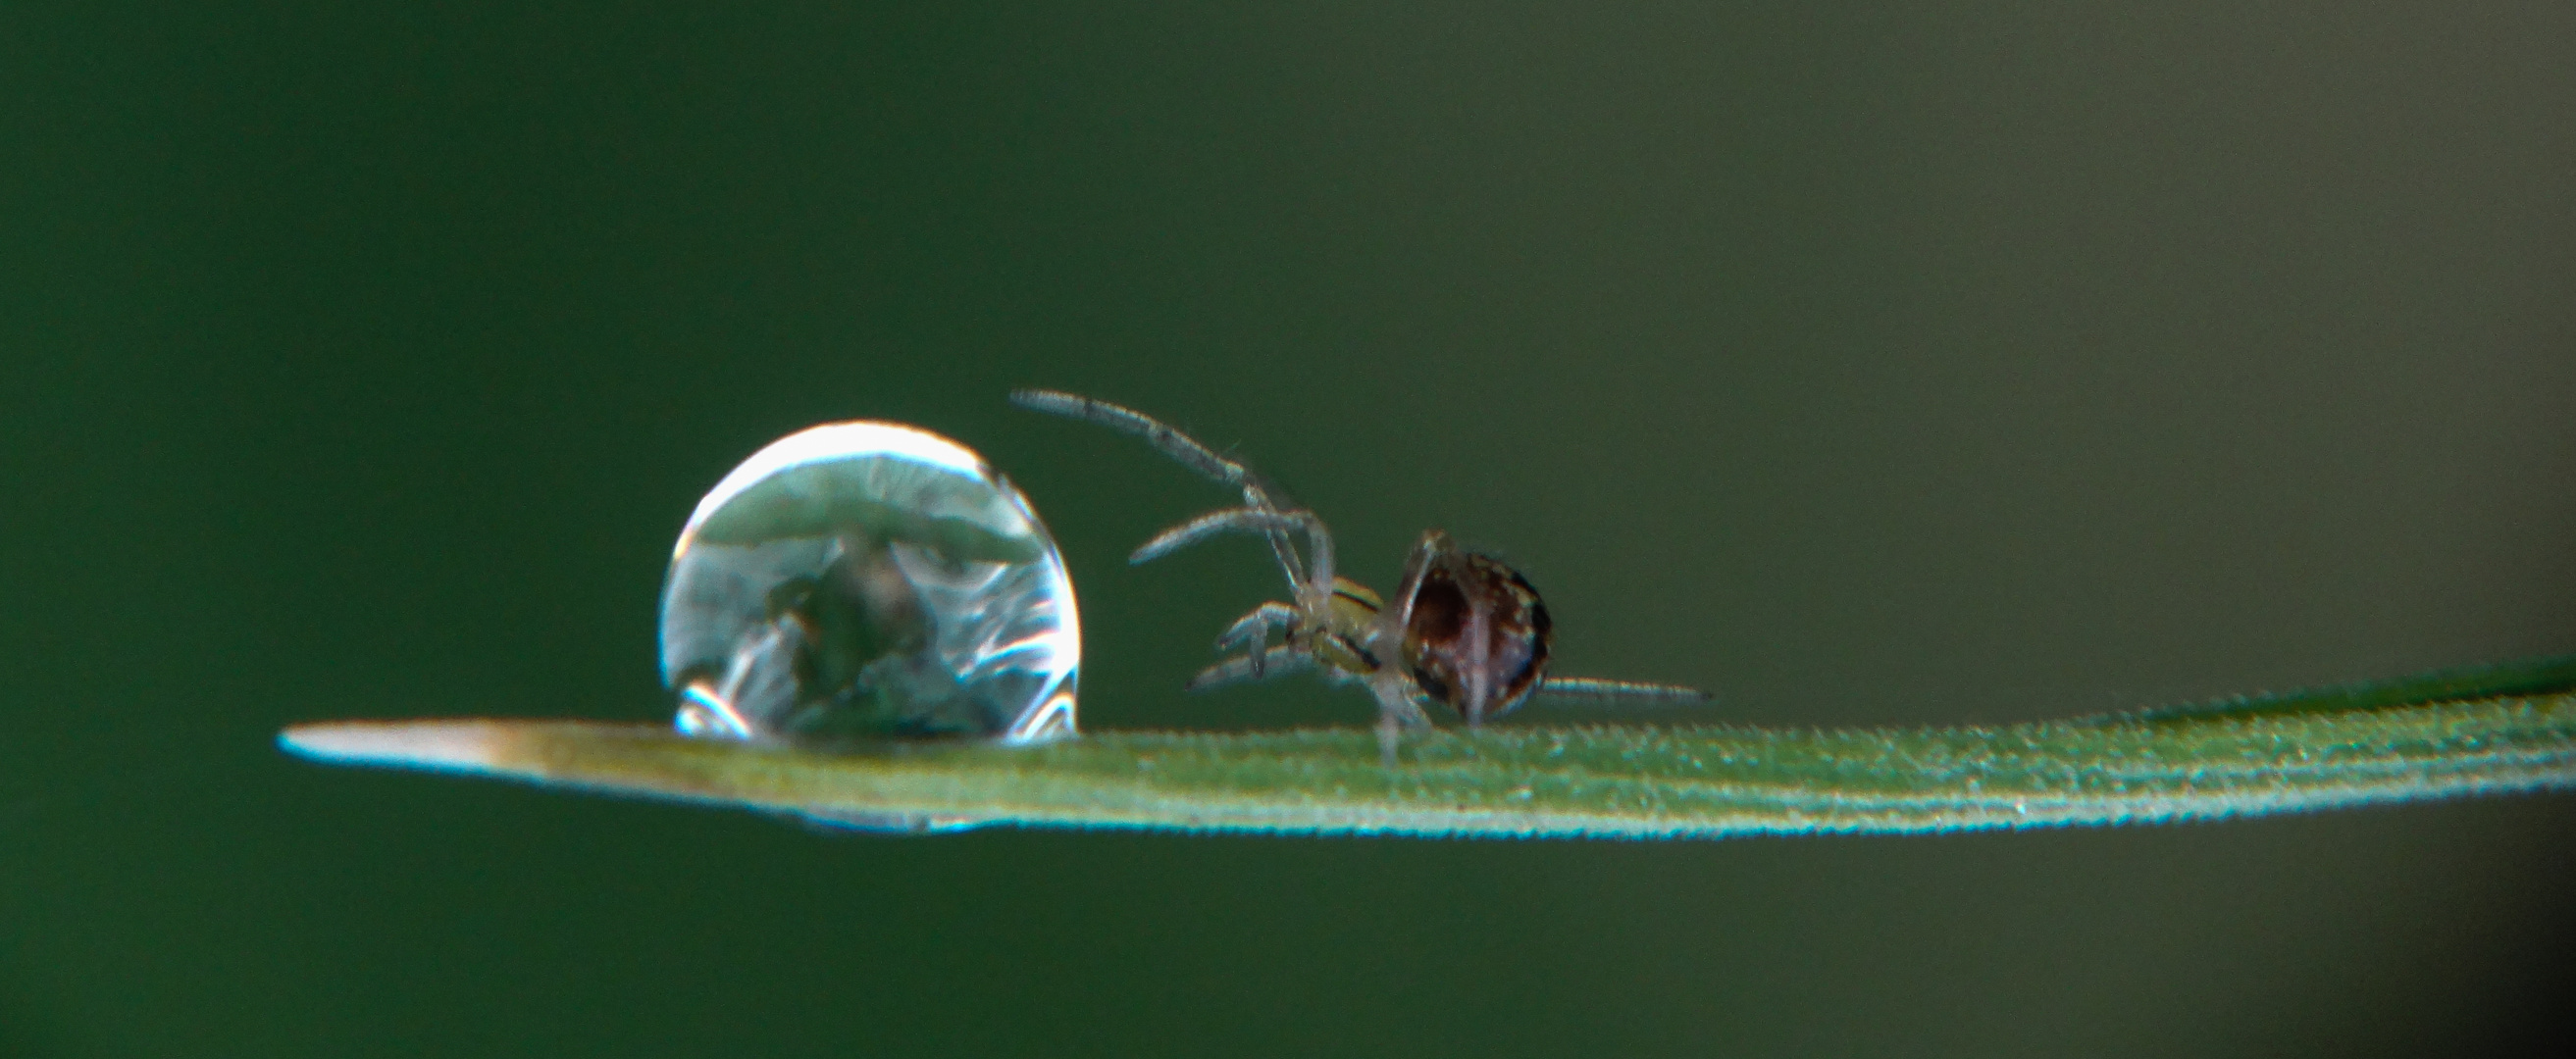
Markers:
point(2463, 732)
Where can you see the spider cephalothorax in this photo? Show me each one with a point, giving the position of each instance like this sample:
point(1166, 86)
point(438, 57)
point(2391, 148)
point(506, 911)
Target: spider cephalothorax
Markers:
point(1466, 631)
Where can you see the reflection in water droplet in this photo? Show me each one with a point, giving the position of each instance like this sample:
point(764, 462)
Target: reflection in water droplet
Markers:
point(865, 581)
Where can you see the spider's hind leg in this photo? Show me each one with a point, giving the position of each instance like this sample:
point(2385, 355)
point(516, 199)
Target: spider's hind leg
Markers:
point(1596, 691)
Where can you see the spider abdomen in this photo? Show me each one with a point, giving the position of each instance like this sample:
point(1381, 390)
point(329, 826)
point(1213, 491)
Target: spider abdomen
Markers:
point(1476, 637)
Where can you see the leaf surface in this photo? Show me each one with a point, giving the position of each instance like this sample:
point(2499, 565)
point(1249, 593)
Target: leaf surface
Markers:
point(2464, 732)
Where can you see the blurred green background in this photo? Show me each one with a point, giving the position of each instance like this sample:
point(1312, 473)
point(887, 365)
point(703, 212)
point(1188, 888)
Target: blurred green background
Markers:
point(1886, 364)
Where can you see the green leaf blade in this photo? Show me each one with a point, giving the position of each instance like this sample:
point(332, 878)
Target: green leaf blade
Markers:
point(1603, 781)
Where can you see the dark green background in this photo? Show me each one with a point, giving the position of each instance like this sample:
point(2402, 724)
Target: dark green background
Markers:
point(1901, 363)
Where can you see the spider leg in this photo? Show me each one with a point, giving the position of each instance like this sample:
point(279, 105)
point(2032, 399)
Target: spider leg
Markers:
point(1162, 436)
point(1170, 441)
point(1595, 691)
point(1397, 705)
point(1311, 593)
point(1480, 672)
point(1397, 712)
point(1253, 630)
point(1239, 669)
point(1246, 519)
point(1399, 617)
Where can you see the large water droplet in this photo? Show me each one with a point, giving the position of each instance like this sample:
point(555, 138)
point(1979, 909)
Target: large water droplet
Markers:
point(869, 580)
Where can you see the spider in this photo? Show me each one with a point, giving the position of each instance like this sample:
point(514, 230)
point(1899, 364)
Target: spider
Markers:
point(1466, 631)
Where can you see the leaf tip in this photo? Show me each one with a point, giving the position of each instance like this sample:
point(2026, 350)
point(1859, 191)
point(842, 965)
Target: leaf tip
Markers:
point(446, 746)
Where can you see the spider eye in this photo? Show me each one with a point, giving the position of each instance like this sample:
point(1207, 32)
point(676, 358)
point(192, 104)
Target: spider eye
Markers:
point(1439, 649)
point(869, 580)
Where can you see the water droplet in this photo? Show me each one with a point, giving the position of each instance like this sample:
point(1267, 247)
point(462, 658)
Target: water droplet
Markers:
point(869, 580)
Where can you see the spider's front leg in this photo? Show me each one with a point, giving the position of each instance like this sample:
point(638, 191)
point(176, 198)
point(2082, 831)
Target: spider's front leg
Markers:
point(1312, 592)
point(1238, 669)
point(1252, 631)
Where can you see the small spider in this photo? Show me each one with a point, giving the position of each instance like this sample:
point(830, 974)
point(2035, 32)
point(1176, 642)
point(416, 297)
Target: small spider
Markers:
point(1466, 630)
